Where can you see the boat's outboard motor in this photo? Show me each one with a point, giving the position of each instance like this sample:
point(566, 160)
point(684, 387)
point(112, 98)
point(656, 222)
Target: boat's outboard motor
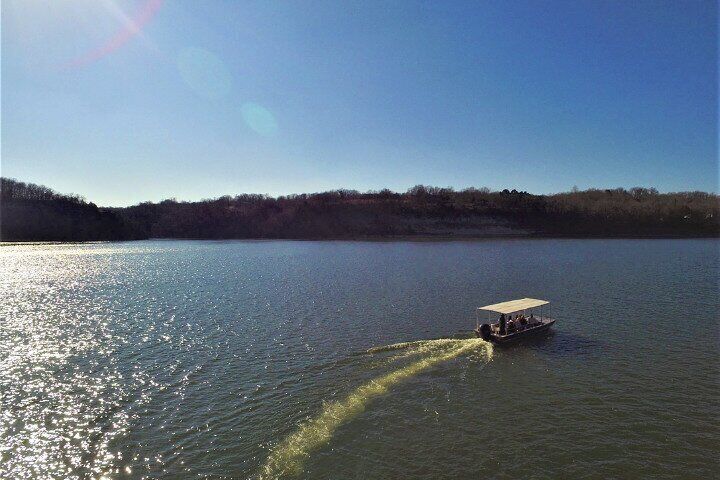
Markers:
point(485, 331)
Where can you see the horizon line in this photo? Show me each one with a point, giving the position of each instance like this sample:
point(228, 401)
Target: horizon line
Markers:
point(483, 189)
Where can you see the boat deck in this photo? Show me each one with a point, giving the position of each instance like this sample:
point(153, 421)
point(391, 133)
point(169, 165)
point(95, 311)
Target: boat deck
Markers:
point(542, 325)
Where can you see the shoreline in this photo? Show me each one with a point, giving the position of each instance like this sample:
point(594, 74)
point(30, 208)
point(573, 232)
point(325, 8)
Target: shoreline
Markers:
point(375, 238)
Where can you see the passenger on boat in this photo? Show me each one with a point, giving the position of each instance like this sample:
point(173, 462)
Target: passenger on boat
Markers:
point(503, 325)
point(523, 320)
point(511, 327)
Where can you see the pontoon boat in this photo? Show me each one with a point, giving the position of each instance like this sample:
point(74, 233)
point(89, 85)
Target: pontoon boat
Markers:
point(517, 320)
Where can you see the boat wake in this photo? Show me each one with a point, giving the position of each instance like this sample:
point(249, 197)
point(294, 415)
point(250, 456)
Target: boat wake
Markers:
point(397, 346)
point(287, 458)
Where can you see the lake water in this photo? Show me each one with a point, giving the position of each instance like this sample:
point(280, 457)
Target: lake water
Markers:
point(242, 359)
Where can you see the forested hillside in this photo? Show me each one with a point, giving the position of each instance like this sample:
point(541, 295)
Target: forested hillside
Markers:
point(31, 212)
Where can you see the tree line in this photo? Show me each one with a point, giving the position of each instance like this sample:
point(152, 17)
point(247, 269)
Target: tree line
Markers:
point(31, 212)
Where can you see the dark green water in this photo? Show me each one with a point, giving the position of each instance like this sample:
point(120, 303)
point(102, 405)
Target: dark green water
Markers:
point(250, 359)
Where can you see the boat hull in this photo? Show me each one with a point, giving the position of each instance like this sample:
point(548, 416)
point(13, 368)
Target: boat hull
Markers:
point(526, 333)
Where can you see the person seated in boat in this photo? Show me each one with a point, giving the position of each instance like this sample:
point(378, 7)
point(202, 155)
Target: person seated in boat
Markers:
point(511, 327)
point(523, 320)
point(503, 324)
point(532, 320)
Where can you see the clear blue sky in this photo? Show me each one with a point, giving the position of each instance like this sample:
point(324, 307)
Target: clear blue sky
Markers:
point(126, 101)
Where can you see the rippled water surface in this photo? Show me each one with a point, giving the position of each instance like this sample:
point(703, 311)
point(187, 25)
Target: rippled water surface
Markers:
point(330, 360)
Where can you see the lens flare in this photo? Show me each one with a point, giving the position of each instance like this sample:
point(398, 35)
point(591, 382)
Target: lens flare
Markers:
point(259, 119)
point(132, 26)
point(287, 457)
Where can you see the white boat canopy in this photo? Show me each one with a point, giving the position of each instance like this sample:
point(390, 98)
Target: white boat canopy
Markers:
point(514, 305)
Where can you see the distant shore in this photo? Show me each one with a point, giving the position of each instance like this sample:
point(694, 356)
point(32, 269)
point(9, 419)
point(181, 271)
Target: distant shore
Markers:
point(33, 213)
point(373, 239)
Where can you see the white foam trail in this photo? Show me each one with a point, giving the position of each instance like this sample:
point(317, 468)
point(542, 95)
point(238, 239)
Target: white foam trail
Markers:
point(396, 346)
point(287, 458)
